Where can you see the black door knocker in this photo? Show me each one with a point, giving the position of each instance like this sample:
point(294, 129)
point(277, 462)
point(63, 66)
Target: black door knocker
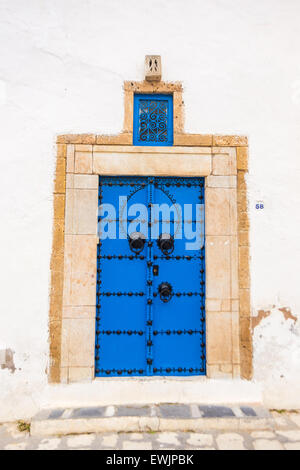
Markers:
point(136, 242)
point(166, 243)
point(165, 291)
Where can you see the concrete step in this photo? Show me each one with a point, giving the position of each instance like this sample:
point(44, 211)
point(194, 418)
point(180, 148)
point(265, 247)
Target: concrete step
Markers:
point(142, 418)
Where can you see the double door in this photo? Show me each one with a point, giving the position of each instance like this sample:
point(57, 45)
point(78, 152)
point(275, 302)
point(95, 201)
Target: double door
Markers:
point(150, 306)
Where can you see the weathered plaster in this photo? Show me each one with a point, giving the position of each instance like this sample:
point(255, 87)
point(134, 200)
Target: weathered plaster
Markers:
point(7, 360)
point(276, 341)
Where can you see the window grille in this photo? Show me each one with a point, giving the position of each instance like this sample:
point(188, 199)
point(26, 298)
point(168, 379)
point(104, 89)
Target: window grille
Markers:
point(153, 120)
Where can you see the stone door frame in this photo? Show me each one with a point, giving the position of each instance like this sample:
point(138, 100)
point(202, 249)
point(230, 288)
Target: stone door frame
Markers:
point(223, 161)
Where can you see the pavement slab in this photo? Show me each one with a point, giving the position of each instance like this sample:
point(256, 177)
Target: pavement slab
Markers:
point(284, 433)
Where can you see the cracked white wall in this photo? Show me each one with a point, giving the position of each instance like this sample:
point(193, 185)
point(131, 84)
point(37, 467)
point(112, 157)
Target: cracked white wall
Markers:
point(61, 71)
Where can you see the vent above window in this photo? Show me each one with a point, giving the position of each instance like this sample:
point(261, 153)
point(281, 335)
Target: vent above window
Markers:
point(153, 68)
point(153, 120)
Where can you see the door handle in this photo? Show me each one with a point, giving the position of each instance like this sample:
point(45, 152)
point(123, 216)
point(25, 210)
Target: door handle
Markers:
point(165, 291)
point(136, 242)
point(166, 243)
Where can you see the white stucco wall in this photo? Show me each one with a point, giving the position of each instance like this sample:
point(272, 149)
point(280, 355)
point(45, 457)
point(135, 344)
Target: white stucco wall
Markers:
point(61, 71)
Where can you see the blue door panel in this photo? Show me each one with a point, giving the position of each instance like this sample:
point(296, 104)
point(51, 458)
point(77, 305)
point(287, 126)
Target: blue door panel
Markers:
point(125, 276)
point(183, 314)
point(135, 191)
point(123, 313)
point(167, 192)
point(122, 353)
point(177, 352)
point(138, 330)
point(184, 275)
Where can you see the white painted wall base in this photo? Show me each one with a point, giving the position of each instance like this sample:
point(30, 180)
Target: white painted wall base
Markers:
point(102, 392)
point(116, 391)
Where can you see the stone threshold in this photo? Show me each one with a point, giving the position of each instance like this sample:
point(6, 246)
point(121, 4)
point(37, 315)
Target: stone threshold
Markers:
point(156, 418)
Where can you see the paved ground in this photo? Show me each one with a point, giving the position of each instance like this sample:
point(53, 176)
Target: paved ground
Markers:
point(285, 436)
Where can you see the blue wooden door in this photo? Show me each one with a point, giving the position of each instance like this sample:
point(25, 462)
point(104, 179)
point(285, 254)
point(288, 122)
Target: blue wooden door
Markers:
point(150, 309)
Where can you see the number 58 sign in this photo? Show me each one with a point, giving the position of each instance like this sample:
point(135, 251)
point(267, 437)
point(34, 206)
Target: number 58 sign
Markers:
point(259, 205)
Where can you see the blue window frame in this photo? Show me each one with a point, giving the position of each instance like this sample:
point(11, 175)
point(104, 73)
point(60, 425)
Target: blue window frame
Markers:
point(153, 120)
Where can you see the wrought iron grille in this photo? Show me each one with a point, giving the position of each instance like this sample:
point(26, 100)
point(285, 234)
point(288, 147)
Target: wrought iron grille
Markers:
point(153, 120)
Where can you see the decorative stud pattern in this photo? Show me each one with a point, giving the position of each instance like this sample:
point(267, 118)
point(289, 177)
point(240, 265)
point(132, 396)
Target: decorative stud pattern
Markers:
point(121, 337)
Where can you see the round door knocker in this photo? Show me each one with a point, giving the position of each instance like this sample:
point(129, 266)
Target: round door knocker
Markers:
point(166, 243)
point(136, 242)
point(165, 291)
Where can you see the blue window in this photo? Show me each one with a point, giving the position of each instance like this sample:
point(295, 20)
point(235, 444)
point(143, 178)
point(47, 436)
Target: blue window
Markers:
point(153, 120)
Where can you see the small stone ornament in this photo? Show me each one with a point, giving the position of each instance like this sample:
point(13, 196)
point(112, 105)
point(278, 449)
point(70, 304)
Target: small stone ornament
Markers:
point(153, 68)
